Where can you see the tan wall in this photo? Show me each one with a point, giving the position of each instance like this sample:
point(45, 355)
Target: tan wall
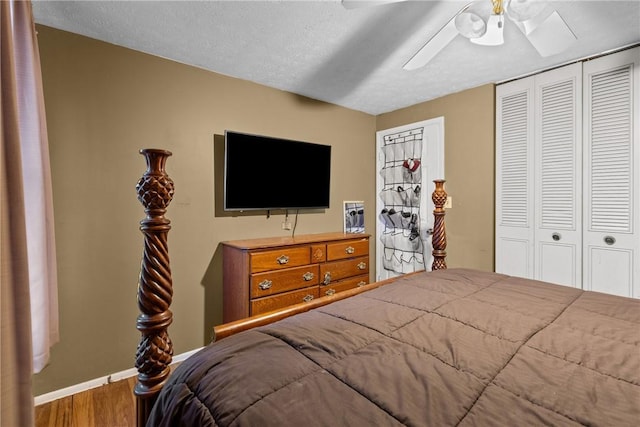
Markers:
point(469, 170)
point(103, 104)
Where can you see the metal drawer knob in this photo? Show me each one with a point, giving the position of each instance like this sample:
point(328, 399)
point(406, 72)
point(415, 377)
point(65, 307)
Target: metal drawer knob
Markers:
point(556, 236)
point(327, 278)
point(349, 250)
point(307, 298)
point(330, 292)
point(308, 276)
point(609, 240)
point(282, 259)
point(265, 284)
point(362, 265)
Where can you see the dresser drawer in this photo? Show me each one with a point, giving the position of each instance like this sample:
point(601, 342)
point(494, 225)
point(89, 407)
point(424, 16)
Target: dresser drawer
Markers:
point(349, 249)
point(263, 305)
point(273, 282)
point(344, 285)
point(337, 270)
point(280, 258)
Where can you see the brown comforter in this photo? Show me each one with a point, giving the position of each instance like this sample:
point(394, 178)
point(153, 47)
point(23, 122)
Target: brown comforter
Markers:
point(453, 347)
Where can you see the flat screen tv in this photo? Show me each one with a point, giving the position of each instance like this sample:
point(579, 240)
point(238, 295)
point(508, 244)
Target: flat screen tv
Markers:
point(266, 173)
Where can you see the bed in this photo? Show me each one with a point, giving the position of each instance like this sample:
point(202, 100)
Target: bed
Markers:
point(441, 348)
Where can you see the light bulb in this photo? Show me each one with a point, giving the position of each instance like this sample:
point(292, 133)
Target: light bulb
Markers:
point(470, 25)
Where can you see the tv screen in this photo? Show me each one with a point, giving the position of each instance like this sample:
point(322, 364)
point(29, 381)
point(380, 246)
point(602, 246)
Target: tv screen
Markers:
point(265, 173)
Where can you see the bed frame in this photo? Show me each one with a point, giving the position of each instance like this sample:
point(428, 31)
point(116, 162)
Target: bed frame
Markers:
point(155, 287)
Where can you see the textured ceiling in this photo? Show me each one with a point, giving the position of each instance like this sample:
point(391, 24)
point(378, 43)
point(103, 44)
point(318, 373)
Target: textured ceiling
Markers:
point(322, 50)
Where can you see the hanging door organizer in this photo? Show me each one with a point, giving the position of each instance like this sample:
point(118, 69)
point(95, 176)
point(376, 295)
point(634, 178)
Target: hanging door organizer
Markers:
point(401, 175)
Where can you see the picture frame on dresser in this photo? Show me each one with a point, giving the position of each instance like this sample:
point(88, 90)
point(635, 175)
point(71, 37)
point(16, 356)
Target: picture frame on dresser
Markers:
point(353, 216)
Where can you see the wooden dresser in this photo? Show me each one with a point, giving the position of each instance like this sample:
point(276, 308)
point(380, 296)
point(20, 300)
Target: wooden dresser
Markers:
point(261, 275)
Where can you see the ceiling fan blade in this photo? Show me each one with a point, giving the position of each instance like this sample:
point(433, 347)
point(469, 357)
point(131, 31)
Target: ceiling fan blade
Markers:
point(548, 33)
point(356, 4)
point(435, 44)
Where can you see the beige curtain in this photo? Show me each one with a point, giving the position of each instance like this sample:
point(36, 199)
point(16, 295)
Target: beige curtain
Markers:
point(29, 316)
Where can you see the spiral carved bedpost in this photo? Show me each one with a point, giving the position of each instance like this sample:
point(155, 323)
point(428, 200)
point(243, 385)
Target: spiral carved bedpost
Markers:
point(439, 238)
point(155, 287)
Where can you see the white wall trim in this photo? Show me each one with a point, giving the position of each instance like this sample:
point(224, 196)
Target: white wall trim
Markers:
point(97, 382)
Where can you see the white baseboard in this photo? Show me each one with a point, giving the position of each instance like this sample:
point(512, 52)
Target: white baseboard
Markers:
point(97, 382)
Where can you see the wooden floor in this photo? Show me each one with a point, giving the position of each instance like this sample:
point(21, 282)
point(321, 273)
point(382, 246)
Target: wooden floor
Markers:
point(112, 405)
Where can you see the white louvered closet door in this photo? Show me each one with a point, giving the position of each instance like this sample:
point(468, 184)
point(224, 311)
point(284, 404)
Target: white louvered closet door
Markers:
point(558, 176)
point(611, 241)
point(514, 179)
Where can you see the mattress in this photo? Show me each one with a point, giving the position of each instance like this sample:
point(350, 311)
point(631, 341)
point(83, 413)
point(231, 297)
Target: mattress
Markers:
point(445, 348)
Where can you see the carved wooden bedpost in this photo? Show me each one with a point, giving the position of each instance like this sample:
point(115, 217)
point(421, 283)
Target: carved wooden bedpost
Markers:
point(439, 238)
point(155, 288)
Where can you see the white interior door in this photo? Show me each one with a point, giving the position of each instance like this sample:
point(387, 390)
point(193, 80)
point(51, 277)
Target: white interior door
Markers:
point(409, 158)
point(558, 176)
point(612, 176)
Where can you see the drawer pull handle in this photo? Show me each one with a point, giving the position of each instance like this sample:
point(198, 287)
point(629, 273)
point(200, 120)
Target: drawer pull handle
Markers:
point(282, 259)
point(327, 278)
point(330, 292)
point(265, 284)
point(362, 265)
point(308, 298)
point(307, 276)
point(349, 250)
point(361, 284)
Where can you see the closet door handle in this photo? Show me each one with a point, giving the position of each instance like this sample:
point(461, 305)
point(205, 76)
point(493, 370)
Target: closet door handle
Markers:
point(556, 236)
point(609, 240)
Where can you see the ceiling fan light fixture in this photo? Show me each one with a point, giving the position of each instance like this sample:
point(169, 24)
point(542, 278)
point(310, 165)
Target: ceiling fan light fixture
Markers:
point(470, 25)
point(494, 34)
point(524, 10)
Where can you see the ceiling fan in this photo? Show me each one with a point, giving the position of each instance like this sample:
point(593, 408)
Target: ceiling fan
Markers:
point(482, 22)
